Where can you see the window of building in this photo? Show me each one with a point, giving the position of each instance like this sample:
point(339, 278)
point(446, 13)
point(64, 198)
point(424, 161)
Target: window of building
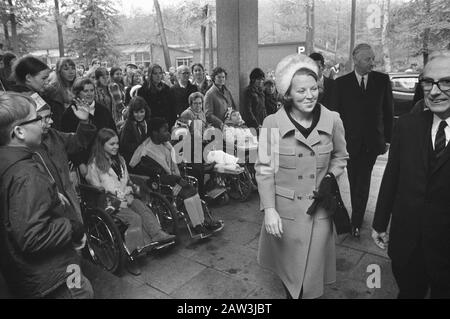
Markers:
point(184, 61)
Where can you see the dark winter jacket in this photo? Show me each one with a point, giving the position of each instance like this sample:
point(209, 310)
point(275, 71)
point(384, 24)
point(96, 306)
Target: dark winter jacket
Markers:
point(159, 102)
point(180, 96)
point(35, 240)
point(254, 107)
point(130, 139)
point(55, 149)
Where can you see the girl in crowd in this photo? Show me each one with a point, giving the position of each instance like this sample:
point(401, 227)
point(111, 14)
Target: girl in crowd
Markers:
point(199, 78)
point(254, 108)
point(295, 242)
point(135, 80)
point(136, 128)
point(218, 99)
point(117, 91)
point(31, 75)
point(102, 93)
point(59, 92)
point(272, 99)
point(107, 169)
point(157, 95)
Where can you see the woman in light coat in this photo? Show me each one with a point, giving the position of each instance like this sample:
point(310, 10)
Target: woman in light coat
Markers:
point(299, 145)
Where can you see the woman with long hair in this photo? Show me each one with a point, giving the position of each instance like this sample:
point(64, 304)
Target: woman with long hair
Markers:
point(157, 95)
point(107, 169)
point(136, 128)
point(59, 92)
point(199, 78)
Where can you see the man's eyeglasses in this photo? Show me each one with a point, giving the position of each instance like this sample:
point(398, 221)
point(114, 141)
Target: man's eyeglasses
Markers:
point(42, 119)
point(36, 119)
point(442, 84)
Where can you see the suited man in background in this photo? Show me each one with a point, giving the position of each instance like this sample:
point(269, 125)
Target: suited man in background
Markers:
point(364, 101)
point(326, 85)
point(415, 190)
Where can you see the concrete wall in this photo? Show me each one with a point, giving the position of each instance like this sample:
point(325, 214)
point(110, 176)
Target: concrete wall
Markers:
point(237, 44)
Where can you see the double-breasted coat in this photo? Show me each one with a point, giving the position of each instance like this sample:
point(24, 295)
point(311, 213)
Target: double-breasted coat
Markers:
point(288, 169)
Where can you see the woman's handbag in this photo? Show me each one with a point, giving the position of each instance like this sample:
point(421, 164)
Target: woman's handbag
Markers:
point(329, 198)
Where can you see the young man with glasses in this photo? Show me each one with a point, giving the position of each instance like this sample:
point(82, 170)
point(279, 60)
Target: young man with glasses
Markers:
point(37, 242)
point(415, 190)
point(56, 147)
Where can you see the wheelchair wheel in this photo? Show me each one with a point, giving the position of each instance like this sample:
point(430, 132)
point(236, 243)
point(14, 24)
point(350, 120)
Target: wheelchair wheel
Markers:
point(104, 240)
point(165, 212)
point(239, 187)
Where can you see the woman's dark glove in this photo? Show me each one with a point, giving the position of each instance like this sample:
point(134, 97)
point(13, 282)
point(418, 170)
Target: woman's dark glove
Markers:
point(325, 196)
point(326, 193)
point(77, 231)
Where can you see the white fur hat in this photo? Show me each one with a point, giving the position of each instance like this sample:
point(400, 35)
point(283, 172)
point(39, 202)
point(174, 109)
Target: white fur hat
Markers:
point(287, 67)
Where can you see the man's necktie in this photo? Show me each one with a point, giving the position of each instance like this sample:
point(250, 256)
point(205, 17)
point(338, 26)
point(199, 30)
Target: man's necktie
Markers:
point(439, 143)
point(363, 85)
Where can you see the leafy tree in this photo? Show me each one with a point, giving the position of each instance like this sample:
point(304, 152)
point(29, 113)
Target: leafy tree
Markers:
point(93, 34)
point(421, 26)
point(21, 19)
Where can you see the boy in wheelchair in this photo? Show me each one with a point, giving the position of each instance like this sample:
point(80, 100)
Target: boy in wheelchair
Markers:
point(156, 156)
point(108, 170)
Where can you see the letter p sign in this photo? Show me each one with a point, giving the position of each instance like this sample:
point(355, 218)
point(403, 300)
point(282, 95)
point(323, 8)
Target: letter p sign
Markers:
point(374, 279)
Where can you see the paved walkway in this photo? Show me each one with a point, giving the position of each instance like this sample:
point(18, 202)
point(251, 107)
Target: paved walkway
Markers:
point(225, 266)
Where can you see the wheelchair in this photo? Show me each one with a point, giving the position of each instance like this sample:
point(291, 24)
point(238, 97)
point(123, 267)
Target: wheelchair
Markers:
point(223, 184)
point(105, 232)
point(168, 207)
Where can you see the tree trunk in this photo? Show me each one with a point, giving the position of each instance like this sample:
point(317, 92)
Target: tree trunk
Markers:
point(12, 19)
point(211, 47)
point(7, 38)
point(426, 35)
point(312, 26)
point(162, 33)
point(203, 44)
point(337, 30)
point(384, 44)
point(308, 49)
point(352, 36)
point(59, 28)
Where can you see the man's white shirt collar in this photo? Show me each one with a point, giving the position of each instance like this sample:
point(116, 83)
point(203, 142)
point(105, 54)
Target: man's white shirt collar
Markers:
point(359, 77)
point(434, 128)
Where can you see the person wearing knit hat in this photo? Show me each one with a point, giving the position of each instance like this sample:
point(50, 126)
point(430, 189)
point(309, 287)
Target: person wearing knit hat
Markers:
point(307, 148)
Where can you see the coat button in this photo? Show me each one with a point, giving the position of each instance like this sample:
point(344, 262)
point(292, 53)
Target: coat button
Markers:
point(312, 154)
point(312, 176)
point(300, 177)
point(300, 155)
point(299, 197)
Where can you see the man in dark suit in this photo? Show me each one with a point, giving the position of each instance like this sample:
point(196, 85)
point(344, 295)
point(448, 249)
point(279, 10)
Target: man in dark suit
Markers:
point(364, 101)
point(415, 191)
point(326, 85)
